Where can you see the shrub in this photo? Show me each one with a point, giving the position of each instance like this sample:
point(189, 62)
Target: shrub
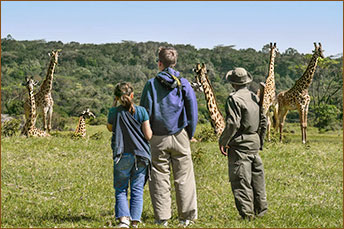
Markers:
point(10, 128)
point(58, 122)
point(100, 120)
point(326, 117)
point(15, 107)
point(207, 134)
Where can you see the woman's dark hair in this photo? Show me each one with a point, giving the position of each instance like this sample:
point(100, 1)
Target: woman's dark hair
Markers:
point(122, 92)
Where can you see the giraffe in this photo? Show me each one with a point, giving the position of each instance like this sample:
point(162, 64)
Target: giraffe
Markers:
point(80, 130)
point(43, 98)
point(29, 128)
point(268, 91)
point(297, 97)
point(217, 120)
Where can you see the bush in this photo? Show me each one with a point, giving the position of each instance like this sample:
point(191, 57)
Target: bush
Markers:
point(10, 128)
point(100, 120)
point(58, 122)
point(15, 107)
point(326, 117)
point(207, 134)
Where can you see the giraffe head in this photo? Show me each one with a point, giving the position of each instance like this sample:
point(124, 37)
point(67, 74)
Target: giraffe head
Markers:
point(87, 114)
point(273, 50)
point(30, 83)
point(318, 50)
point(201, 76)
point(54, 55)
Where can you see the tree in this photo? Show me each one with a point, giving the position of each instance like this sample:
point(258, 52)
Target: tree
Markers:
point(326, 117)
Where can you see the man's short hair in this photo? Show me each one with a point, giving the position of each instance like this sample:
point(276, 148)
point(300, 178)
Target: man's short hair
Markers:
point(168, 56)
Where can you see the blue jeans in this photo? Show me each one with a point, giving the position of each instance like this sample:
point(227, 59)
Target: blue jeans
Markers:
point(128, 169)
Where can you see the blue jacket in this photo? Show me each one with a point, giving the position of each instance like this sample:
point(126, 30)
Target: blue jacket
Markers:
point(170, 110)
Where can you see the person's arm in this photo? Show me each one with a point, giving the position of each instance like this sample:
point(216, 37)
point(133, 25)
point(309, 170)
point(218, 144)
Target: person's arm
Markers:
point(146, 100)
point(233, 118)
point(146, 129)
point(145, 126)
point(191, 109)
point(109, 127)
point(110, 120)
point(263, 122)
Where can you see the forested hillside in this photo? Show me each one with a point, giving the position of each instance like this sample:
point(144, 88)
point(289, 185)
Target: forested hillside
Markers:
point(86, 74)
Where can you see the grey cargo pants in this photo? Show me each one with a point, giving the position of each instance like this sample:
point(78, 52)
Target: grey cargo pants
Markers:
point(246, 174)
point(175, 150)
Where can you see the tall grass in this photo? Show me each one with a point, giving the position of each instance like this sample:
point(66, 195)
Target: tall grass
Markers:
point(63, 182)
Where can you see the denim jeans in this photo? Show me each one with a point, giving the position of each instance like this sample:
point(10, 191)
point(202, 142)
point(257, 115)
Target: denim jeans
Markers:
point(128, 169)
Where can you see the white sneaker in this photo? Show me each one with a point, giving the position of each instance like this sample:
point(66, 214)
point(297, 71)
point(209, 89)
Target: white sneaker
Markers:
point(122, 225)
point(124, 222)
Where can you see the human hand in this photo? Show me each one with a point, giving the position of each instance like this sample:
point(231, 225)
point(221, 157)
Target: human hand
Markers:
point(223, 151)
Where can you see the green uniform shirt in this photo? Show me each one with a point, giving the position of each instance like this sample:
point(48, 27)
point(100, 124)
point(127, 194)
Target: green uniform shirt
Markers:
point(244, 122)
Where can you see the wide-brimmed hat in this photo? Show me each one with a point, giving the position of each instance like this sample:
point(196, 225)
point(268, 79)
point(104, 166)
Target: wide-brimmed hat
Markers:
point(239, 76)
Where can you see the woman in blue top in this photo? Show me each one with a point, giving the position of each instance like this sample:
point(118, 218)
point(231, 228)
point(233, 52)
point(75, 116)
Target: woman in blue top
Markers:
point(131, 131)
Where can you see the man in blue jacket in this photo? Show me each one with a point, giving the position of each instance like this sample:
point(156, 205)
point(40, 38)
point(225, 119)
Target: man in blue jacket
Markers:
point(172, 107)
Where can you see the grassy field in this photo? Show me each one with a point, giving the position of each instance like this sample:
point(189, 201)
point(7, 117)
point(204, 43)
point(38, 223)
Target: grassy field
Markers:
point(66, 183)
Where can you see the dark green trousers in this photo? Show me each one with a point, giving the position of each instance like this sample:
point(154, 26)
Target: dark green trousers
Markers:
point(246, 174)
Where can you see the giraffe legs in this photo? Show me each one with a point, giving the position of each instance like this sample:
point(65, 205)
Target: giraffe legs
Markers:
point(303, 111)
point(305, 120)
point(44, 114)
point(270, 121)
point(268, 128)
point(302, 124)
point(281, 118)
point(50, 115)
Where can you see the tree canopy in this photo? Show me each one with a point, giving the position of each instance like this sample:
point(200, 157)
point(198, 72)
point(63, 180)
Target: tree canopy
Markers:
point(86, 73)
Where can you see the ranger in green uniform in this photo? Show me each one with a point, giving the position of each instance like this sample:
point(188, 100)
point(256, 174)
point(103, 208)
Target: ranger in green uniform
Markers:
point(241, 140)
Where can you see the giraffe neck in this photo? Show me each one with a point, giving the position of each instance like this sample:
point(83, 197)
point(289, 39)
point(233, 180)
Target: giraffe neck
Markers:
point(80, 129)
point(269, 90)
point(271, 74)
point(32, 112)
point(307, 77)
point(47, 84)
point(217, 119)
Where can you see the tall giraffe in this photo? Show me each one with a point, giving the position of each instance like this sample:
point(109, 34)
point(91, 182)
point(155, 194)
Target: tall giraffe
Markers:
point(29, 128)
point(217, 120)
point(43, 98)
point(269, 91)
point(80, 130)
point(297, 97)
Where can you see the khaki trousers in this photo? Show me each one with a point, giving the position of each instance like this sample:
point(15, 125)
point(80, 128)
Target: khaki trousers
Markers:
point(172, 150)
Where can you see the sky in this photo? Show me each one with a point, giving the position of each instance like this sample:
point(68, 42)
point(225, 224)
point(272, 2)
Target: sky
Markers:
point(203, 24)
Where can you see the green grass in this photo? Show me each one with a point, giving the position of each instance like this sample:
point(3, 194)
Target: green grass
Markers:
point(64, 183)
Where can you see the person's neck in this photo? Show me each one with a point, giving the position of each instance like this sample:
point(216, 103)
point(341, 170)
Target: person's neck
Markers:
point(164, 69)
point(239, 87)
